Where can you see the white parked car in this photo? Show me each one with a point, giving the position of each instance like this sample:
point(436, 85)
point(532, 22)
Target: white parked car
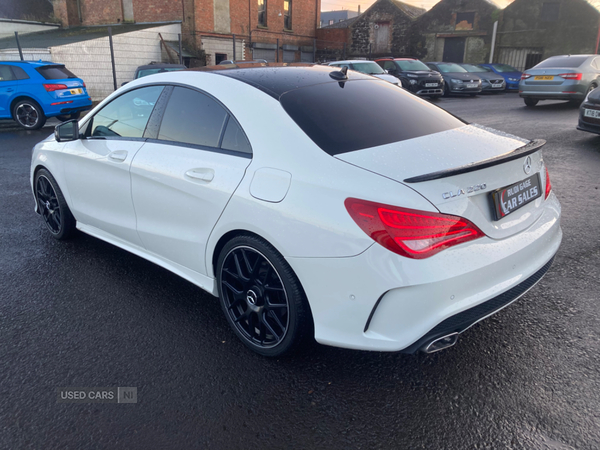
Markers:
point(310, 201)
point(367, 67)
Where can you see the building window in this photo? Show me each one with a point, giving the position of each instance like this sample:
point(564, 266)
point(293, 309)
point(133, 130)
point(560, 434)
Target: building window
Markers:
point(287, 14)
point(464, 21)
point(550, 11)
point(331, 22)
point(262, 13)
point(220, 57)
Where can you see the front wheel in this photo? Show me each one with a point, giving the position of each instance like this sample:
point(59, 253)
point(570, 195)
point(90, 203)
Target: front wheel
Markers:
point(52, 206)
point(530, 101)
point(261, 297)
point(29, 114)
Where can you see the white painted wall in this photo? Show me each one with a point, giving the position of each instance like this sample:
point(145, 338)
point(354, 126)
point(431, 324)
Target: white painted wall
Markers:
point(90, 60)
point(8, 27)
point(30, 54)
point(212, 45)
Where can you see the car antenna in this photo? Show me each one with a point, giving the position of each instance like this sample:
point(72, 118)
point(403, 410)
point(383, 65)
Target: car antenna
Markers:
point(340, 74)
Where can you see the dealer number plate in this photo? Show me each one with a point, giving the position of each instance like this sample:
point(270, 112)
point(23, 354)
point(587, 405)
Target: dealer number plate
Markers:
point(496, 85)
point(591, 113)
point(543, 78)
point(76, 91)
point(431, 84)
point(510, 198)
point(472, 85)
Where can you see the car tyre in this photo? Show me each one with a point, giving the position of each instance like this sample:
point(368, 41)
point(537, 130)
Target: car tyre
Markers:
point(29, 114)
point(446, 90)
point(262, 298)
point(531, 101)
point(52, 206)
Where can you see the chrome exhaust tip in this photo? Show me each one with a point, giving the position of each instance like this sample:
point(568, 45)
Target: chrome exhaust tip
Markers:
point(441, 343)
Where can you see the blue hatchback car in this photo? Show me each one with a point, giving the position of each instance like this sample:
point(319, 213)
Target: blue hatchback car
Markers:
point(509, 73)
point(30, 92)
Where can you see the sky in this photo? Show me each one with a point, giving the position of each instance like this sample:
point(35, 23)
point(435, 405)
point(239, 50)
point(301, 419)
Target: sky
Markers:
point(333, 5)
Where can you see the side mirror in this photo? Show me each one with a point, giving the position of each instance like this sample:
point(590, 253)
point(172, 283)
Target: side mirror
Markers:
point(67, 131)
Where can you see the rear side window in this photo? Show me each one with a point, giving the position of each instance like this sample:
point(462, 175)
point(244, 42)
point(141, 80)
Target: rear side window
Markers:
point(235, 139)
point(562, 61)
point(55, 72)
point(344, 117)
point(5, 73)
point(20, 73)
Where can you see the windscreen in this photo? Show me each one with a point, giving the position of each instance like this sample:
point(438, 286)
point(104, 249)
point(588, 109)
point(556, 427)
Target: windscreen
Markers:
point(55, 72)
point(344, 117)
point(475, 69)
point(562, 61)
point(407, 65)
point(504, 68)
point(450, 67)
point(368, 68)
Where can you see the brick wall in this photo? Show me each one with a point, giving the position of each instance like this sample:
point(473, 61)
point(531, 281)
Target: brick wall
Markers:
point(96, 12)
point(157, 10)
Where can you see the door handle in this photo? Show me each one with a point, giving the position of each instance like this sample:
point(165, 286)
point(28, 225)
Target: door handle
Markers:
point(201, 174)
point(118, 155)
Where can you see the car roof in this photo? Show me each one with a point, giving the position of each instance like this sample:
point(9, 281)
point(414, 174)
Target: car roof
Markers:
point(389, 58)
point(352, 61)
point(160, 66)
point(32, 63)
point(275, 79)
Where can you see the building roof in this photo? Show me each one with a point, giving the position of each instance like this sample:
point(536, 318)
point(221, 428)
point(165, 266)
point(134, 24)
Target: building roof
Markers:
point(64, 36)
point(411, 11)
point(343, 24)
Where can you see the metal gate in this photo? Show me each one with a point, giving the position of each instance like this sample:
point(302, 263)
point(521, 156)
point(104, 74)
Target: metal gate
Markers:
point(520, 58)
point(266, 54)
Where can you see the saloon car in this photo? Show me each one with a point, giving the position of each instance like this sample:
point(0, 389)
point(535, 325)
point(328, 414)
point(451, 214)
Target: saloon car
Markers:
point(589, 113)
point(457, 79)
point(313, 202)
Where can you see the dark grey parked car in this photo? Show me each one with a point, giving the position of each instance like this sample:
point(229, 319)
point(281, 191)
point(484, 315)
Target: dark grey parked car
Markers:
point(589, 113)
point(565, 77)
point(490, 81)
point(457, 79)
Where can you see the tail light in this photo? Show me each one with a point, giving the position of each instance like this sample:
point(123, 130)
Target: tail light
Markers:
point(524, 76)
point(571, 76)
point(408, 232)
point(84, 84)
point(54, 87)
point(548, 184)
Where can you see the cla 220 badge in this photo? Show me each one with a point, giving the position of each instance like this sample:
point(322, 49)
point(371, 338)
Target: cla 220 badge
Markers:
point(465, 191)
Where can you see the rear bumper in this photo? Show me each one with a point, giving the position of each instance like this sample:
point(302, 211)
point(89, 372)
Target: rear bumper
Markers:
point(82, 104)
point(384, 302)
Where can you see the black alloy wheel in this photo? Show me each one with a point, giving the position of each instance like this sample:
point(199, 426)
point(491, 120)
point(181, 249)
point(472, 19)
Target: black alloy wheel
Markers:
point(52, 206)
point(261, 297)
point(29, 114)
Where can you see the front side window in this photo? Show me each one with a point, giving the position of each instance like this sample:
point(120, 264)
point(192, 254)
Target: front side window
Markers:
point(262, 13)
point(389, 65)
point(127, 115)
point(287, 14)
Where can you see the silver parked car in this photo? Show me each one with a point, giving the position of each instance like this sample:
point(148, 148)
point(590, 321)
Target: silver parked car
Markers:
point(368, 67)
point(490, 81)
point(565, 77)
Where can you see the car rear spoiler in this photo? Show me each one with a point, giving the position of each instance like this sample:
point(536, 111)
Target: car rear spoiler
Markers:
point(527, 149)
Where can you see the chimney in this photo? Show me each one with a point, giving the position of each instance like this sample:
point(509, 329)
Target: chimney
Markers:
point(359, 10)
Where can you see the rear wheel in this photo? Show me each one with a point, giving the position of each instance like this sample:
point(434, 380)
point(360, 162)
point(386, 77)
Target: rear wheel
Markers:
point(530, 101)
point(52, 206)
point(29, 114)
point(261, 297)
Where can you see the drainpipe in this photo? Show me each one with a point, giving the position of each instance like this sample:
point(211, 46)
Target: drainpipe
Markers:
point(598, 38)
point(494, 41)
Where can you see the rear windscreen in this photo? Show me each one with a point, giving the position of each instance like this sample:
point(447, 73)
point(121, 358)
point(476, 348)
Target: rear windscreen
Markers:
point(55, 72)
point(562, 61)
point(343, 117)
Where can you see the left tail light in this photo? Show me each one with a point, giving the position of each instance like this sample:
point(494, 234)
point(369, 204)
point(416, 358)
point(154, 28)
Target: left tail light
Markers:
point(54, 87)
point(548, 184)
point(408, 232)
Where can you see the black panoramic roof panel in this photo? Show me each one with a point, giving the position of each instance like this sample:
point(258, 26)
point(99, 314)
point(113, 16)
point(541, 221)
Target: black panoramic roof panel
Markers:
point(277, 79)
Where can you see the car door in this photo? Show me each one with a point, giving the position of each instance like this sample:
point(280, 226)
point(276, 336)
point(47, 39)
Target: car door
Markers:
point(8, 86)
point(182, 180)
point(97, 166)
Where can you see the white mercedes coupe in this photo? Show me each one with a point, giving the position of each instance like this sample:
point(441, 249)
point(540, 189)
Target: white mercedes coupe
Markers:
point(314, 202)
